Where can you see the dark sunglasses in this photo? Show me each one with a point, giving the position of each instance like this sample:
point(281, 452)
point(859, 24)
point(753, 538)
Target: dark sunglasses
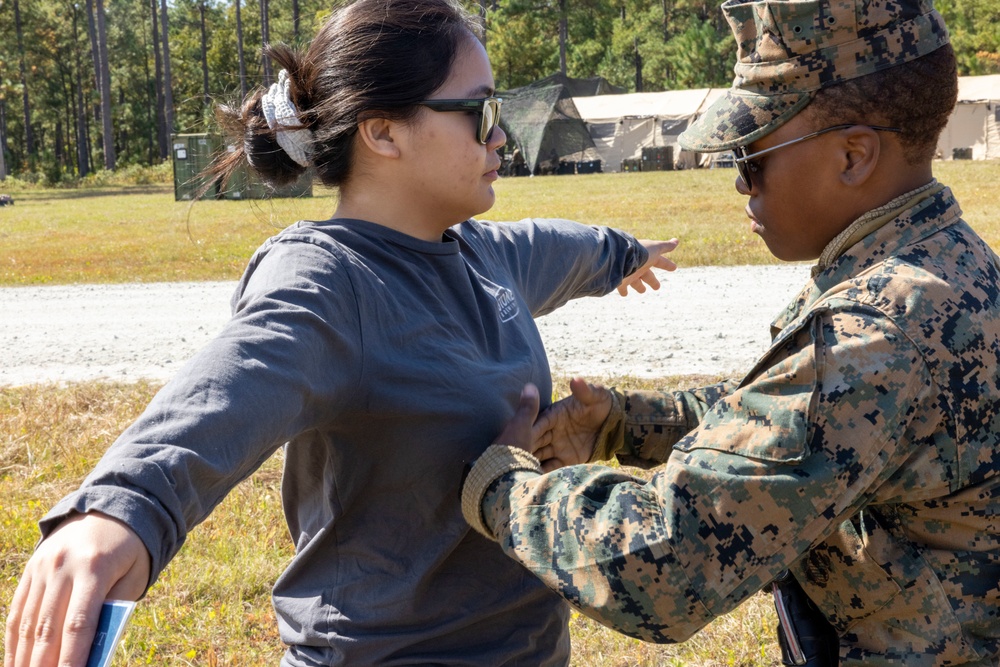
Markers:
point(487, 109)
point(746, 164)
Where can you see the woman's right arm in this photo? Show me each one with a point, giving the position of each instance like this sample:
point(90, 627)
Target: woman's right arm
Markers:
point(89, 558)
point(275, 371)
point(553, 261)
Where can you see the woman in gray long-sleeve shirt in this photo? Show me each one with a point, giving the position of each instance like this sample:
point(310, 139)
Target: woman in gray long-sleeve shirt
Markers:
point(383, 348)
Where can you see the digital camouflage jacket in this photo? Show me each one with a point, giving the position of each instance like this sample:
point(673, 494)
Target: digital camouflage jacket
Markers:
point(861, 453)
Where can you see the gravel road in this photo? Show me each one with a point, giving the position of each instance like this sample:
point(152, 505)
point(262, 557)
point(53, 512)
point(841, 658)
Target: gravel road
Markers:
point(703, 320)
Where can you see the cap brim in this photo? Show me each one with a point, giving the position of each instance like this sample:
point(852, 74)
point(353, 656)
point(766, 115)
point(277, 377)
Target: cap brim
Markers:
point(739, 118)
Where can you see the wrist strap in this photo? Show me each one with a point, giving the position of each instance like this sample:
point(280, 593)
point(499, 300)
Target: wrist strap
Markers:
point(612, 434)
point(496, 461)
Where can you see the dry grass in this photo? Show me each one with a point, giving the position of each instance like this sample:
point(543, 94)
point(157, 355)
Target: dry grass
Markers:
point(137, 234)
point(212, 604)
point(141, 234)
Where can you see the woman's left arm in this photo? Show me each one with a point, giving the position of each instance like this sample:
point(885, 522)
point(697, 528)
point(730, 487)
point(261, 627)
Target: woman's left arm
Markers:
point(553, 261)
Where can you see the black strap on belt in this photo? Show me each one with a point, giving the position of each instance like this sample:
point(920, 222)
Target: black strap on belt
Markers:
point(804, 634)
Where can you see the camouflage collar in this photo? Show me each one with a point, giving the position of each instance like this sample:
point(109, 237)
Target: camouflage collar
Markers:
point(873, 220)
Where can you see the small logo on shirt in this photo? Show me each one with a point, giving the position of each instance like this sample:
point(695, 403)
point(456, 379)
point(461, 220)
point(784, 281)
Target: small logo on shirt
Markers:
point(506, 304)
point(506, 301)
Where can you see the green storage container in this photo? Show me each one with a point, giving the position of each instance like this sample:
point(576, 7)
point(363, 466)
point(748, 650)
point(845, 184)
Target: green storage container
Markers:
point(245, 185)
point(658, 158)
point(192, 154)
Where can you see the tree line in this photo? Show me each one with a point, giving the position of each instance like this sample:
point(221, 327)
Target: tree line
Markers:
point(87, 85)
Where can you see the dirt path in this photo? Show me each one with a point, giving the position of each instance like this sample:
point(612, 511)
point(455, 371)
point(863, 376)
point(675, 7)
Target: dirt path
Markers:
point(703, 320)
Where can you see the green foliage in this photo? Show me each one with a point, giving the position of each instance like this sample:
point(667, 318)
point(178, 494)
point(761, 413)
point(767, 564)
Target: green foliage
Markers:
point(648, 44)
point(130, 175)
point(975, 34)
point(522, 46)
point(699, 58)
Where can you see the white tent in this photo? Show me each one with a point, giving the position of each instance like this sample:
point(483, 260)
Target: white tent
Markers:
point(974, 129)
point(622, 125)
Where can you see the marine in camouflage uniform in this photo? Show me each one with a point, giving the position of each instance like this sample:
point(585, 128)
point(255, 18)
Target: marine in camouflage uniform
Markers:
point(860, 453)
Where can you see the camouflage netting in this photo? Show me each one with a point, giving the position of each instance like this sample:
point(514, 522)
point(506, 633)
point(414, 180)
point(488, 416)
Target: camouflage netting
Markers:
point(542, 121)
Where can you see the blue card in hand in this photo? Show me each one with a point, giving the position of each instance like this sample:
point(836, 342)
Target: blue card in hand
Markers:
point(110, 628)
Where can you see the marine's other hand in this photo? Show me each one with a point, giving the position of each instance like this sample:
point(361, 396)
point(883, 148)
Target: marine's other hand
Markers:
point(566, 433)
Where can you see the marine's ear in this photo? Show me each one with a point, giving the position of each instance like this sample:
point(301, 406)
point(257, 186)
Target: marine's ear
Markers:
point(860, 150)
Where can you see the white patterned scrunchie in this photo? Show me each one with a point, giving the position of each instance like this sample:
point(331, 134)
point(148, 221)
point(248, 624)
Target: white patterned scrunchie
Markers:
point(280, 114)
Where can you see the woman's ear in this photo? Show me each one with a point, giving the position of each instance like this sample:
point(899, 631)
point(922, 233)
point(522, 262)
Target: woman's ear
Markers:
point(861, 151)
point(379, 136)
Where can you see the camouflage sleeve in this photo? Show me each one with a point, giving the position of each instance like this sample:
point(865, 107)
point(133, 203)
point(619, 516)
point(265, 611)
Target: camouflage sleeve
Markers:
point(653, 421)
point(772, 469)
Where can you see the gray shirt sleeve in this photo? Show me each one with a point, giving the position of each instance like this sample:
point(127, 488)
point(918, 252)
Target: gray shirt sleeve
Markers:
point(265, 378)
point(580, 259)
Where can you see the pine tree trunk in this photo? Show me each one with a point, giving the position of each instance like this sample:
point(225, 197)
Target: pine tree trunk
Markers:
point(102, 48)
point(162, 137)
point(3, 139)
point(69, 115)
point(638, 65)
point(265, 39)
point(29, 135)
point(150, 107)
point(204, 57)
point(563, 36)
point(79, 108)
point(96, 60)
point(168, 95)
point(239, 52)
point(60, 148)
point(295, 22)
point(82, 163)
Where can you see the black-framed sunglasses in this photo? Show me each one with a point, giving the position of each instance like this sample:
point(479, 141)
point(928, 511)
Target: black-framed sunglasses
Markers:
point(745, 162)
point(488, 110)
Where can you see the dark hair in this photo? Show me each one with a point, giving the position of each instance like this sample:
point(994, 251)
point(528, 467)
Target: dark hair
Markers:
point(917, 97)
point(372, 58)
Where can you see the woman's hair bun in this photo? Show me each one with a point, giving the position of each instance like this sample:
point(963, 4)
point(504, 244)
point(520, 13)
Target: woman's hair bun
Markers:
point(370, 57)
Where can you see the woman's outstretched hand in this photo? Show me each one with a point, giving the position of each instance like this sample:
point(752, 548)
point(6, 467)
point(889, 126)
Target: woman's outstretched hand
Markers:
point(643, 276)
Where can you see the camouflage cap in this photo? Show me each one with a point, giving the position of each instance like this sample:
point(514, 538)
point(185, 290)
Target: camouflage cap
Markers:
point(789, 49)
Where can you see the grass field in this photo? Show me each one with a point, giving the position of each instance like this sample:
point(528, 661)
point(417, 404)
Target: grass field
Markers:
point(141, 234)
point(212, 605)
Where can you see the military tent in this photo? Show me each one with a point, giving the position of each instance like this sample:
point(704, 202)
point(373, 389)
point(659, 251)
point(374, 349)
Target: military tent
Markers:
point(621, 126)
point(973, 133)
